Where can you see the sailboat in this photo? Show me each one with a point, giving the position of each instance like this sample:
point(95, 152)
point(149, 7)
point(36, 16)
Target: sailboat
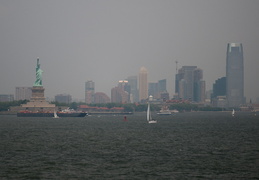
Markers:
point(149, 118)
point(55, 114)
point(233, 112)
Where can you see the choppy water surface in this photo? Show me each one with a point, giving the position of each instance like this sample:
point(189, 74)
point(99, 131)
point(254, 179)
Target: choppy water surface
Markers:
point(183, 146)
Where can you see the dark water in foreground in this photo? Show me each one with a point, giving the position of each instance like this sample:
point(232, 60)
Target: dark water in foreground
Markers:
point(182, 146)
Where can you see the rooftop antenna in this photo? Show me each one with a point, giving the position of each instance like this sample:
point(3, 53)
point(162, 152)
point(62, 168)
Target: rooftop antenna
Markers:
point(176, 62)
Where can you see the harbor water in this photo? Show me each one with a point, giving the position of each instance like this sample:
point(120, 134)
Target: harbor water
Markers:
point(195, 145)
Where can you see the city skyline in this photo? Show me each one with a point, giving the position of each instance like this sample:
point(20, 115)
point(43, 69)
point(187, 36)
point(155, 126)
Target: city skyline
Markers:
point(189, 84)
point(107, 41)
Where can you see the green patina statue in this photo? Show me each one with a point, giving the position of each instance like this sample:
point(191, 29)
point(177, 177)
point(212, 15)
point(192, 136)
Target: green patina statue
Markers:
point(39, 72)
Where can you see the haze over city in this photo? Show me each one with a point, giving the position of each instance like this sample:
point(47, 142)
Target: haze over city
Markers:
point(107, 41)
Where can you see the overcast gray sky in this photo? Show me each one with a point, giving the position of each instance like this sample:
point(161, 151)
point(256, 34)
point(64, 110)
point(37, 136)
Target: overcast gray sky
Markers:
point(109, 40)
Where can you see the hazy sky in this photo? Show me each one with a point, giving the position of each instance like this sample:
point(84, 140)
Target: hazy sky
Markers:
point(109, 40)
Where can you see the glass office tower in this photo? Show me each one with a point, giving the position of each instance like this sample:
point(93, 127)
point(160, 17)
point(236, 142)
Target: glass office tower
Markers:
point(235, 75)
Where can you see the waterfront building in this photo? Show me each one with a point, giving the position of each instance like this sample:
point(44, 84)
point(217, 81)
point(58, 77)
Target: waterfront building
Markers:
point(22, 93)
point(124, 85)
point(219, 87)
point(100, 97)
point(153, 90)
point(63, 98)
point(199, 94)
point(121, 93)
point(6, 97)
point(164, 96)
point(162, 86)
point(189, 84)
point(219, 101)
point(89, 92)
point(143, 84)
point(133, 83)
point(156, 89)
point(118, 95)
point(185, 82)
point(235, 75)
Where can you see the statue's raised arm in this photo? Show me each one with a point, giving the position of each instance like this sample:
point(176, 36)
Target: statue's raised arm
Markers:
point(39, 72)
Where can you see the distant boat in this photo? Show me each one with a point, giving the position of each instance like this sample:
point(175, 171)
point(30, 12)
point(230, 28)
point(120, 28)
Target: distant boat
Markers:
point(149, 118)
point(233, 112)
point(71, 113)
point(164, 111)
point(55, 114)
point(175, 111)
point(63, 113)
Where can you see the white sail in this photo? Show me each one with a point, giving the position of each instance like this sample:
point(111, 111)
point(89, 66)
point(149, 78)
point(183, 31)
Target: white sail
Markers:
point(149, 118)
point(233, 112)
point(148, 112)
point(55, 114)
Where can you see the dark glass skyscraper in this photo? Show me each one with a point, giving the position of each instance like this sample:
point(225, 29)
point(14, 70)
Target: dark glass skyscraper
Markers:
point(189, 84)
point(235, 75)
point(162, 86)
point(219, 87)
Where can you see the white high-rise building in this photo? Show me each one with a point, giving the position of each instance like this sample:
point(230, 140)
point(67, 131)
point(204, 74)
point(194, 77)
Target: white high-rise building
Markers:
point(143, 83)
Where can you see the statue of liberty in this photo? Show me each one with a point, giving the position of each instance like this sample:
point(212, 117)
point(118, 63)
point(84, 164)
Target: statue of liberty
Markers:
point(39, 72)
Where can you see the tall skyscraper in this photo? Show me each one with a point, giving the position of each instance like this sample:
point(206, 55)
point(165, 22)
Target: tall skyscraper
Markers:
point(162, 86)
point(121, 93)
point(125, 86)
point(143, 84)
point(218, 97)
point(189, 84)
point(89, 92)
point(133, 82)
point(156, 89)
point(235, 75)
point(198, 86)
point(153, 89)
point(185, 82)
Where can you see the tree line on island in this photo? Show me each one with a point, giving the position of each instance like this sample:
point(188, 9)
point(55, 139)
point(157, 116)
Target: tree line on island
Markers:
point(129, 107)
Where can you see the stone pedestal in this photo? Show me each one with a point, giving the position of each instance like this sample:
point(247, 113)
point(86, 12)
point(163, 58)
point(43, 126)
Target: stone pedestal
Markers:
point(38, 93)
point(38, 101)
